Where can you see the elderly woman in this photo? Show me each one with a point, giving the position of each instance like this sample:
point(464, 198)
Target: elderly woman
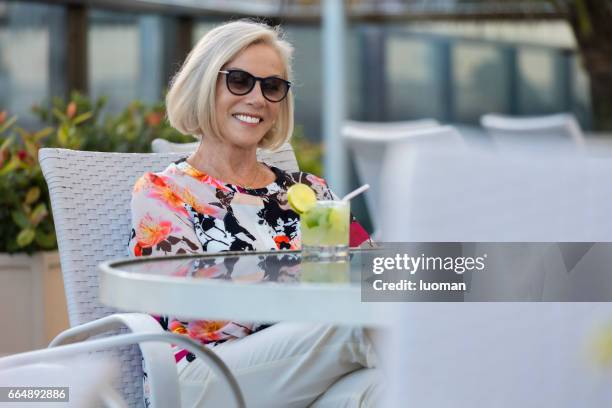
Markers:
point(234, 94)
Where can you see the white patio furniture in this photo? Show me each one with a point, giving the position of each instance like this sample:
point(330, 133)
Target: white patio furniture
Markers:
point(356, 126)
point(500, 354)
point(370, 143)
point(482, 197)
point(60, 366)
point(536, 132)
point(476, 195)
point(164, 146)
point(79, 380)
point(283, 157)
point(329, 294)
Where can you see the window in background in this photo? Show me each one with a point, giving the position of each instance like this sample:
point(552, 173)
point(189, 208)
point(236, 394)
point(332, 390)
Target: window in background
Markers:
point(24, 58)
point(201, 28)
point(355, 74)
point(480, 81)
point(540, 90)
point(113, 58)
point(413, 89)
point(553, 33)
point(307, 70)
point(581, 93)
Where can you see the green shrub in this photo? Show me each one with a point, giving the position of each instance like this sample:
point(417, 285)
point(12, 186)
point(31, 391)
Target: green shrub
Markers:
point(27, 223)
point(309, 154)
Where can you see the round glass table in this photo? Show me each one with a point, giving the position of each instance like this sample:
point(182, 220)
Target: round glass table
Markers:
point(252, 286)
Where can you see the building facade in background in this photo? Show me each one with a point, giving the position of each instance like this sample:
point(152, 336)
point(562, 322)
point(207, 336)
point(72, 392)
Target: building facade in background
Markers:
point(453, 71)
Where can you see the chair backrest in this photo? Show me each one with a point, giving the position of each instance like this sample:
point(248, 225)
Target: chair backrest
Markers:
point(483, 196)
point(283, 157)
point(356, 127)
point(369, 148)
point(164, 146)
point(90, 198)
point(559, 130)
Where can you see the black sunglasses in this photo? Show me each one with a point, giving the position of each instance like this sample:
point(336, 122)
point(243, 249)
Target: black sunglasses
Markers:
point(240, 82)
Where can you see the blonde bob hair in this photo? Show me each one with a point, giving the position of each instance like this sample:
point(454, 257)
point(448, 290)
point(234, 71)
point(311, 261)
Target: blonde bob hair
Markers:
point(190, 102)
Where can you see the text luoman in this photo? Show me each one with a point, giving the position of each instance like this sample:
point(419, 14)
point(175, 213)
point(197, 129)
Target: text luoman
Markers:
point(405, 284)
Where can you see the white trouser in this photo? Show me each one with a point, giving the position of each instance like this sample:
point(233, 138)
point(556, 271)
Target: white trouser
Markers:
point(285, 365)
point(360, 389)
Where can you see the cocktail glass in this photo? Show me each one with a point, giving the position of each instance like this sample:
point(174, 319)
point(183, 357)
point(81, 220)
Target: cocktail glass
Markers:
point(325, 229)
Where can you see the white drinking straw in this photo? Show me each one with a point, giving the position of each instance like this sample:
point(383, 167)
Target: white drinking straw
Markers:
point(355, 192)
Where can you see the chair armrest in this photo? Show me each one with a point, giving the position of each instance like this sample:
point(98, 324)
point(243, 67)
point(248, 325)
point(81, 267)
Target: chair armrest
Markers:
point(136, 322)
point(208, 356)
point(158, 358)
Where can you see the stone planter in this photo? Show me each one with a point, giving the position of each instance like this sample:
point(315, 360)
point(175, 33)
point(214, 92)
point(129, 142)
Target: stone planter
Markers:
point(32, 301)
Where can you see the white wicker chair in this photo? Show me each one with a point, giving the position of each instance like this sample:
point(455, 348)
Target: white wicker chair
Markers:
point(56, 365)
point(558, 131)
point(369, 145)
point(164, 146)
point(283, 157)
point(90, 194)
point(90, 197)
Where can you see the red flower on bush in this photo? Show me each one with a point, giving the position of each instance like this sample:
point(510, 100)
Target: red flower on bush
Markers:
point(22, 154)
point(71, 110)
point(154, 119)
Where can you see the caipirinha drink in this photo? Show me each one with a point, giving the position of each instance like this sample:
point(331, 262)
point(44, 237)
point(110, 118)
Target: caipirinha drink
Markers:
point(324, 224)
point(325, 227)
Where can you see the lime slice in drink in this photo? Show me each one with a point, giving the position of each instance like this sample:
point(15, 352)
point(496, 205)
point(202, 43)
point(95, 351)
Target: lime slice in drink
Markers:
point(312, 218)
point(337, 218)
point(301, 198)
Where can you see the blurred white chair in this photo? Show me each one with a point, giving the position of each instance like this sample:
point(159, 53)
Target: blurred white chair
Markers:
point(550, 131)
point(369, 145)
point(499, 354)
point(474, 196)
point(502, 355)
point(89, 377)
point(482, 197)
point(355, 126)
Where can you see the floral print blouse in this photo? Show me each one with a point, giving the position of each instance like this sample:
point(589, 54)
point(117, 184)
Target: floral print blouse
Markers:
point(182, 210)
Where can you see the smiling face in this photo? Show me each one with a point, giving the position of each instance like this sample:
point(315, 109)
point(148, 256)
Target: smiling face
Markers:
point(244, 120)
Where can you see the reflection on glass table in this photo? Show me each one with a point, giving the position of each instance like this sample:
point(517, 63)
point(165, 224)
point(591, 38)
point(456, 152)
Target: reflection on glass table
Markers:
point(253, 286)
